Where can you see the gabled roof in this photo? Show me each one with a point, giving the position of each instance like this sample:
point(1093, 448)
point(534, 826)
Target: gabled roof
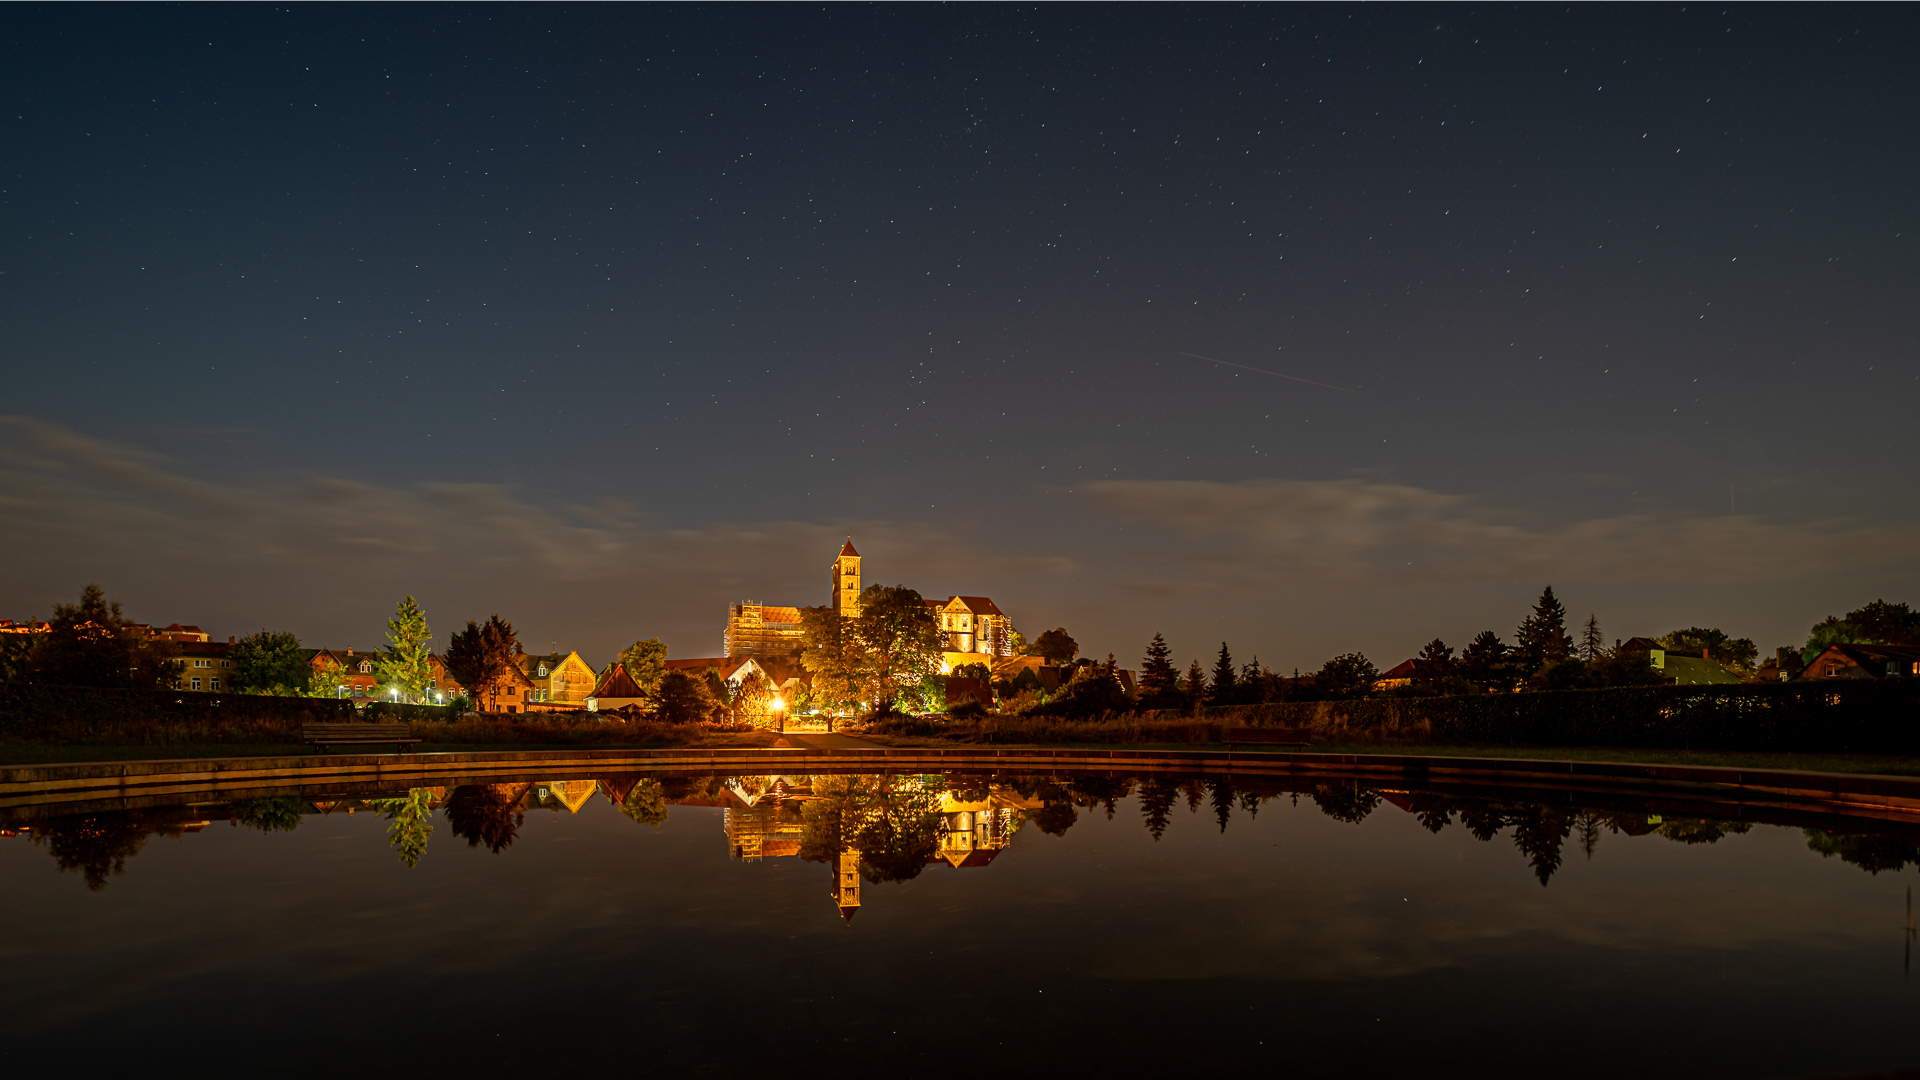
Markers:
point(848, 549)
point(617, 683)
point(979, 605)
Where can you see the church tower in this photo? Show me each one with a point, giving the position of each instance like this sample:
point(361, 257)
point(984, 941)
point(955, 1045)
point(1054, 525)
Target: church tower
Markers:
point(846, 581)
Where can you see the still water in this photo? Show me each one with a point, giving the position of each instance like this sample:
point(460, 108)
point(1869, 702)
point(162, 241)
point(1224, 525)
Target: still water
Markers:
point(819, 925)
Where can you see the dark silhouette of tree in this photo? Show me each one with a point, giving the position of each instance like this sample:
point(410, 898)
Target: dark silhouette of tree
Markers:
point(1221, 691)
point(90, 644)
point(685, 698)
point(480, 658)
point(1483, 820)
point(1156, 805)
point(1055, 645)
point(1157, 673)
point(1196, 684)
point(486, 815)
point(1436, 652)
point(1433, 812)
point(1484, 663)
point(1878, 623)
point(1542, 637)
point(1347, 803)
point(1092, 791)
point(1592, 645)
point(1348, 675)
point(1221, 798)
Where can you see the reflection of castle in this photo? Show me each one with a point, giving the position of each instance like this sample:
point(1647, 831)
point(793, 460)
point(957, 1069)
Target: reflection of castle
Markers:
point(764, 818)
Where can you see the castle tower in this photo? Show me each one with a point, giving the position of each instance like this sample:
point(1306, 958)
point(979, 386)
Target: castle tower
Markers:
point(846, 581)
point(846, 884)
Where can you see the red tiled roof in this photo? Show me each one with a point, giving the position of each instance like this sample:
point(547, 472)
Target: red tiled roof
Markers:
point(848, 549)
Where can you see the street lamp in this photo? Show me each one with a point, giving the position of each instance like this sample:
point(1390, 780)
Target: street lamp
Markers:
point(780, 707)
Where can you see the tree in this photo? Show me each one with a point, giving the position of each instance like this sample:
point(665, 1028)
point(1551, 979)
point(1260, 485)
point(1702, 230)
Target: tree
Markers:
point(753, 704)
point(646, 804)
point(270, 663)
point(406, 664)
point(971, 671)
point(1221, 692)
point(1592, 645)
point(323, 680)
point(685, 699)
point(1878, 623)
point(1542, 638)
point(1157, 672)
point(1484, 663)
point(90, 644)
point(480, 657)
point(830, 654)
point(1056, 645)
point(646, 662)
point(1196, 684)
point(412, 826)
point(1736, 653)
point(1345, 676)
point(898, 639)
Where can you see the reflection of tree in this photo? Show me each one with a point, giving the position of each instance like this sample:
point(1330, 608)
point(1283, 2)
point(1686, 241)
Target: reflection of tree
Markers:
point(892, 821)
point(1700, 830)
point(1872, 852)
point(486, 814)
point(1538, 831)
point(1156, 802)
point(412, 826)
point(646, 803)
point(1349, 803)
point(1588, 823)
point(279, 814)
point(99, 845)
point(1221, 797)
point(1092, 791)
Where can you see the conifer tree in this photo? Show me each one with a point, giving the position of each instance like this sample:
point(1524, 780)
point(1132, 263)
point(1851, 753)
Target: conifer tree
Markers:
point(1592, 645)
point(1157, 672)
point(1196, 683)
point(1223, 678)
point(407, 661)
point(1543, 637)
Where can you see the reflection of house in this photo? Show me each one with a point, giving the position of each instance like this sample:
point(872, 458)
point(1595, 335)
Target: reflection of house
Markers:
point(1857, 661)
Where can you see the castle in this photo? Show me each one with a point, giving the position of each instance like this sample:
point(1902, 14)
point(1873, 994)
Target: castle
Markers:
point(973, 629)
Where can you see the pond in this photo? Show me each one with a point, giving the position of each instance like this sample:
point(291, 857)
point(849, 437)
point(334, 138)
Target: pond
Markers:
point(822, 924)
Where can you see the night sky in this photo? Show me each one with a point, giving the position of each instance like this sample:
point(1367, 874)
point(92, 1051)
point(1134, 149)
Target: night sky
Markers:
point(605, 317)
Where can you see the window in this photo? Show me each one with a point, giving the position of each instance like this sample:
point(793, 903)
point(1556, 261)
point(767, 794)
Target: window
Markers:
point(365, 667)
point(196, 682)
point(199, 663)
point(214, 683)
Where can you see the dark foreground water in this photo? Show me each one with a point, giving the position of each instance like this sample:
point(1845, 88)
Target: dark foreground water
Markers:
point(815, 926)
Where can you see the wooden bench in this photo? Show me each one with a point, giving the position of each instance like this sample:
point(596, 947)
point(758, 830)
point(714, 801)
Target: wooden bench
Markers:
point(1276, 736)
point(323, 736)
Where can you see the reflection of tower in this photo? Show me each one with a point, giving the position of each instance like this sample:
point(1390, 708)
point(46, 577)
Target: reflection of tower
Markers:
point(846, 581)
point(846, 884)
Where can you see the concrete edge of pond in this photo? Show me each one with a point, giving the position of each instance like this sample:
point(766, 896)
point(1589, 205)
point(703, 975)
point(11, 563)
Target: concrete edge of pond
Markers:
point(52, 785)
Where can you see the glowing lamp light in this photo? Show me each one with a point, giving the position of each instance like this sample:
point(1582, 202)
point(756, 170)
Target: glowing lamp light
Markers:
point(778, 705)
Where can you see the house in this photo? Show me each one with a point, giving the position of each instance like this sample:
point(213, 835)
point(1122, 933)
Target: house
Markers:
point(1860, 661)
point(561, 679)
point(357, 675)
point(616, 690)
point(731, 670)
point(1680, 669)
point(203, 665)
point(973, 630)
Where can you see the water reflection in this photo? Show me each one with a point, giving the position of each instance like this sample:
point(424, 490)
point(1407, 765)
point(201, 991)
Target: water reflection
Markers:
point(880, 828)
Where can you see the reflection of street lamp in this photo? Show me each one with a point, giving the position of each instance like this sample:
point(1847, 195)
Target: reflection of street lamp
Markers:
point(781, 708)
